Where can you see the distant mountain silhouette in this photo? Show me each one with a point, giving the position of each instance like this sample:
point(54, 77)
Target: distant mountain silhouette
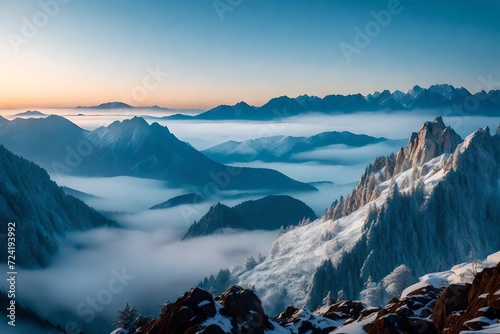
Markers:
point(119, 105)
point(281, 148)
point(436, 96)
point(268, 213)
point(30, 113)
point(131, 147)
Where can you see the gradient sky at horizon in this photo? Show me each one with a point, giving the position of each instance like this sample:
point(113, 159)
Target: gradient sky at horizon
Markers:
point(92, 52)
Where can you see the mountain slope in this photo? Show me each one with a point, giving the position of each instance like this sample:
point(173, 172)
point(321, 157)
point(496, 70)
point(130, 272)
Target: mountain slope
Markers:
point(268, 213)
point(41, 211)
point(281, 148)
point(131, 147)
point(428, 207)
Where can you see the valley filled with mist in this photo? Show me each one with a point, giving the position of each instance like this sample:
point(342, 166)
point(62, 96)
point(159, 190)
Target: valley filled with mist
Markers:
point(147, 244)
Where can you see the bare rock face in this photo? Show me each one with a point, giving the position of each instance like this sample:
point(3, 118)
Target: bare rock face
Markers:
point(483, 304)
point(433, 139)
point(451, 302)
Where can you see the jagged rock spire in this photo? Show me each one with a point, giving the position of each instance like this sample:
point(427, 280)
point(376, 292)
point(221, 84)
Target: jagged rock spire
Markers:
point(433, 139)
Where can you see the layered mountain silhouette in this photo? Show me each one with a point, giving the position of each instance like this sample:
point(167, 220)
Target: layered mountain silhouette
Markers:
point(39, 211)
point(268, 213)
point(283, 148)
point(458, 100)
point(131, 147)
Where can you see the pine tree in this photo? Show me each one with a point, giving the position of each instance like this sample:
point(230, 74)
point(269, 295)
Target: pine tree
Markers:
point(127, 317)
point(340, 296)
point(328, 299)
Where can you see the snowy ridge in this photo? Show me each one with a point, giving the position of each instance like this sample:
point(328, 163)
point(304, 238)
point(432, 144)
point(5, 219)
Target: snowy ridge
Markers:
point(428, 207)
point(458, 274)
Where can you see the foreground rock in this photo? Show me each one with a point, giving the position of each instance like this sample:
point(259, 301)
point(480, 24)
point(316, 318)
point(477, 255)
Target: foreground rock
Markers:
point(427, 310)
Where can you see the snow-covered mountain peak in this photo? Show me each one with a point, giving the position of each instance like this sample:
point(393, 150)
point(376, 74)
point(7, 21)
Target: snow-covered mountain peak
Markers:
point(477, 153)
point(497, 132)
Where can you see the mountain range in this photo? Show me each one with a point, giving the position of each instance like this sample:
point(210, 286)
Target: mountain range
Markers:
point(283, 148)
point(119, 105)
point(131, 147)
point(459, 101)
point(39, 211)
point(31, 113)
point(433, 204)
point(268, 213)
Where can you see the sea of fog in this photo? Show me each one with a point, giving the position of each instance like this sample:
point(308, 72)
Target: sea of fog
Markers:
point(147, 249)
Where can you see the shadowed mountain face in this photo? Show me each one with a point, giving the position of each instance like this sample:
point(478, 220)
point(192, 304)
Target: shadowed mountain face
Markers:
point(40, 210)
point(268, 213)
point(281, 148)
point(436, 96)
point(132, 147)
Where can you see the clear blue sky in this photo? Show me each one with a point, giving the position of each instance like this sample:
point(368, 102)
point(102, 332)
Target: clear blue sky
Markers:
point(95, 51)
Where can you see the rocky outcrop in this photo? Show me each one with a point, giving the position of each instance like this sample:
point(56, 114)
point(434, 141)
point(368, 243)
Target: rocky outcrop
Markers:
point(470, 308)
point(409, 314)
point(452, 301)
point(197, 311)
point(433, 139)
